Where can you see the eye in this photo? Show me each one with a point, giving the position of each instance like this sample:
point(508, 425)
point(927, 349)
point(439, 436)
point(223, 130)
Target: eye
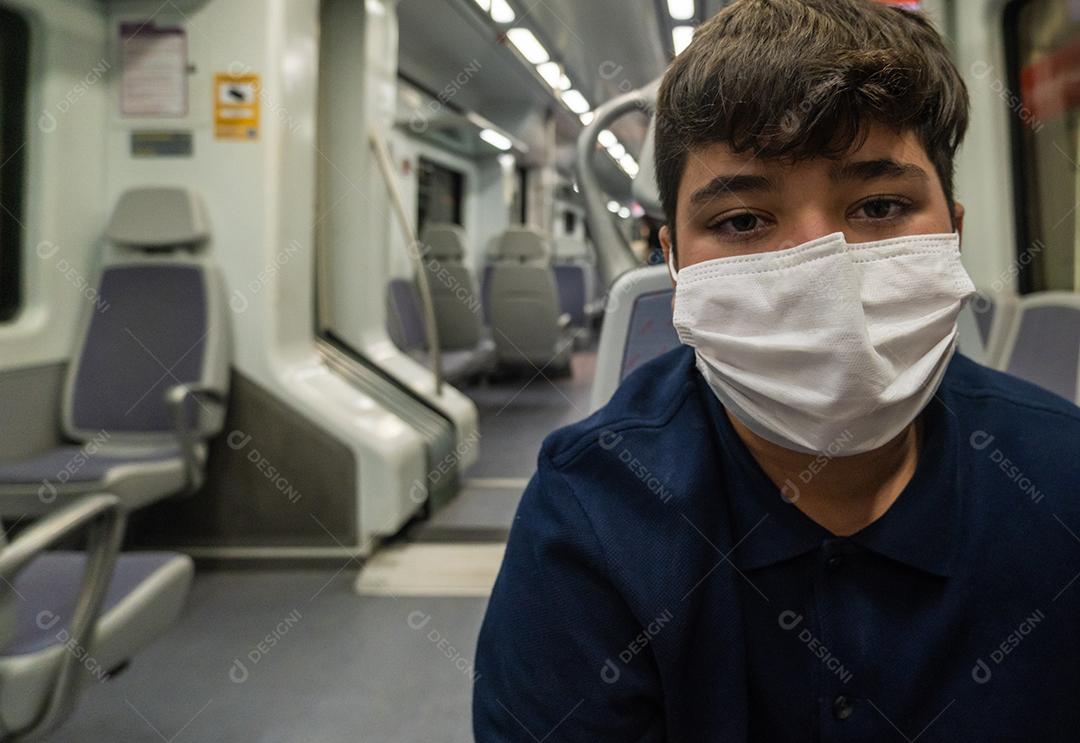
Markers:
point(739, 225)
point(882, 208)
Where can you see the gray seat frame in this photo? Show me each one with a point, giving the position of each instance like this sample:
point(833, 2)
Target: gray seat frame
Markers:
point(39, 690)
point(614, 333)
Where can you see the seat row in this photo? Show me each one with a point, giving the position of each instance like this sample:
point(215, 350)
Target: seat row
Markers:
point(526, 312)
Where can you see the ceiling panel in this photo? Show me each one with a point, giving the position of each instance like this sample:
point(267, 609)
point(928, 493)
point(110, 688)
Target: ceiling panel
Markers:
point(607, 46)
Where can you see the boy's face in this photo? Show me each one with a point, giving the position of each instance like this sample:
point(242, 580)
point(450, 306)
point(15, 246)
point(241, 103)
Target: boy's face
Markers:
point(736, 204)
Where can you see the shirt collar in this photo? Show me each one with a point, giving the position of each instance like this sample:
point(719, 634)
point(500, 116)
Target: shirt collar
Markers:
point(921, 528)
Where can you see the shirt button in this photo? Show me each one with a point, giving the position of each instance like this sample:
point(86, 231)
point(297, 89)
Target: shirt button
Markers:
point(843, 707)
point(834, 561)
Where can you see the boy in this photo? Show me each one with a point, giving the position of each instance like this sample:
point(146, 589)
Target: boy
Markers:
point(834, 552)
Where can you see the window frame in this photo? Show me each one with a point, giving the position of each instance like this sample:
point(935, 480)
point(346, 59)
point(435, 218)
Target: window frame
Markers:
point(14, 68)
point(1020, 157)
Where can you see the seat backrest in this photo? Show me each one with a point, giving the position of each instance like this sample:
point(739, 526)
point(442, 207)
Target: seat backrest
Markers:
point(1043, 344)
point(521, 244)
point(454, 291)
point(637, 328)
point(445, 241)
point(524, 298)
point(568, 249)
point(984, 324)
point(570, 279)
point(971, 340)
point(404, 316)
point(158, 320)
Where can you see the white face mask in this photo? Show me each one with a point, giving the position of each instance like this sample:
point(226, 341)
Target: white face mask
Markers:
point(827, 347)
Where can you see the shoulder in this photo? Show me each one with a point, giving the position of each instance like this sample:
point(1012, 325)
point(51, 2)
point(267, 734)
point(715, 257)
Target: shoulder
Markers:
point(1014, 434)
point(995, 396)
point(645, 402)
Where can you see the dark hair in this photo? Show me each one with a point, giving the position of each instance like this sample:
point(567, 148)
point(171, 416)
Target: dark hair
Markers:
point(802, 78)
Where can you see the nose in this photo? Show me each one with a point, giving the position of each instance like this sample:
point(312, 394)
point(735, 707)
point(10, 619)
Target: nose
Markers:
point(809, 224)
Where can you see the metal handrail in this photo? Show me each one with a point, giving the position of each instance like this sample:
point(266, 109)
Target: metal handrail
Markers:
point(382, 157)
point(99, 515)
point(613, 254)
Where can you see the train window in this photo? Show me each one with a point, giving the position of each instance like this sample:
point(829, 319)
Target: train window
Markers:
point(1044, 61)
point(569, 222)
point(440, 194)
point(14, 52)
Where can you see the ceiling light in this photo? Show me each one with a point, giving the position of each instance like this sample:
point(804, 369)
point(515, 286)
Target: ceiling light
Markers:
point(607, 139)
point(681, 37)
point(629, 164)
point(613, 207)
point(501, 12)
point(507, 161)
point(552, 72)
point(624, 212)
point(529, 46)
point(681, 10)
point(575, 101)
point(485, 5)
point(495, 139)
point(616, 150)
point(587, 117)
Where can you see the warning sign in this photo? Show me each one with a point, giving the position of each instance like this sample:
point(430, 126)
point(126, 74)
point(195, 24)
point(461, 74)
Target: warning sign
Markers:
point(236, 106)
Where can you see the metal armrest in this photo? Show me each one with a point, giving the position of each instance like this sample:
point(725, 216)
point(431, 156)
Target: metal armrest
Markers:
point(100, 516)
point(175, 398)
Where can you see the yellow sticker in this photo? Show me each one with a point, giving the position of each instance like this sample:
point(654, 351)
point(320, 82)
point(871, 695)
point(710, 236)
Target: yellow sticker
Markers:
point(236, 106)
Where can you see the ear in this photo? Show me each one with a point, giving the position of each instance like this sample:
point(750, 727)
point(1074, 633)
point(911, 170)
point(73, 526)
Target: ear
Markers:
point(958, 217)
point(667, 246)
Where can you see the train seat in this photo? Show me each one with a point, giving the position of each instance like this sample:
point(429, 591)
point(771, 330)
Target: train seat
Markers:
point(454, 291)
point(146, 386)
point(575, 276)
point(570, 279)
point(637, 328)
point(405, 324)
point(68, 618)
point(983, 325)
point(529, 326)
point(1043, 342)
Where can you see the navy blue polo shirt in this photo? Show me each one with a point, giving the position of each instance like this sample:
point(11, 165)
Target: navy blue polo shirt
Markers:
point(657, 586)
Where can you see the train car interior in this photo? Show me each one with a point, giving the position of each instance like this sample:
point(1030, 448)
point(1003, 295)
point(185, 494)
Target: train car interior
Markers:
point(292, 292)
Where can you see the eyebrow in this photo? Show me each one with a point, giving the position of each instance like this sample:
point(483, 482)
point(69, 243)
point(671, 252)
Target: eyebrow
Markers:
point(868, 170)
point(731, 184)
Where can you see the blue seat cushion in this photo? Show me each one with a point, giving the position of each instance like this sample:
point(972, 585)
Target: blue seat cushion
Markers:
point(49, 586)
point(570, 280)
point(651, 333)
point(151, 334)
point(66, 464)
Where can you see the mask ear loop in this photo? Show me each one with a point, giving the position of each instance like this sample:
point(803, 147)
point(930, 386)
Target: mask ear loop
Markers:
point(671, 265)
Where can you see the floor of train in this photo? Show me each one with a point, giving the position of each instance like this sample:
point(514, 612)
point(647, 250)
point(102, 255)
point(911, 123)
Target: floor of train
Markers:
point(319, 662)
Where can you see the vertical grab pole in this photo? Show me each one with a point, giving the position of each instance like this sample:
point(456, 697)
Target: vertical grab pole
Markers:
point(382, 156)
